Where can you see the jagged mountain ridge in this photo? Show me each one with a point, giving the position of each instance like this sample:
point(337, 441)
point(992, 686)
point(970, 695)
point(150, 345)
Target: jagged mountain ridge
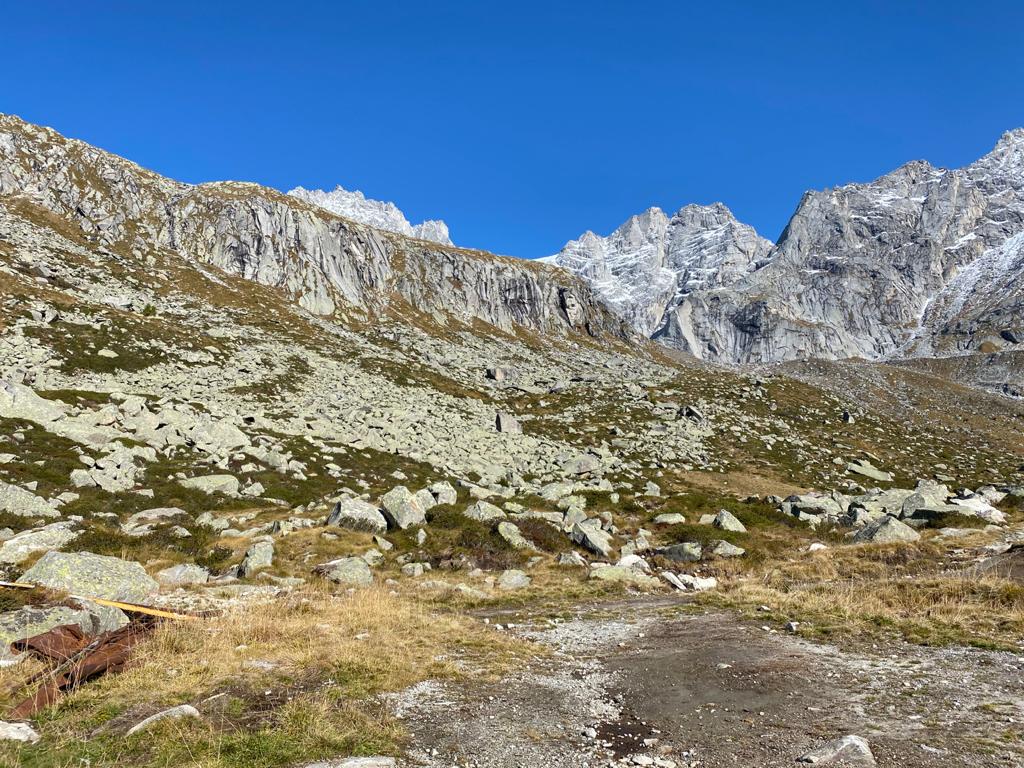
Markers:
point(378, 214)
point(922, 261)
point(326, 262)
point(652, 262)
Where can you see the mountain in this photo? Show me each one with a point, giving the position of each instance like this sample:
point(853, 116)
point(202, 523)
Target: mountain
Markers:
point(329, 264)
point(921, 262)
point(648, 266)
point(386, 216)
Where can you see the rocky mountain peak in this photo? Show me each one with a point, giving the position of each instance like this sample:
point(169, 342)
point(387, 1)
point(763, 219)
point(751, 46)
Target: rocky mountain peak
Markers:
point(645, 267)
point(382, 215)
point(915, 262)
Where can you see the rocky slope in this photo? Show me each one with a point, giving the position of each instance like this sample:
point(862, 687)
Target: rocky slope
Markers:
point(921, 262)
point(329, 491)
point(381, 215)
point(328, 263)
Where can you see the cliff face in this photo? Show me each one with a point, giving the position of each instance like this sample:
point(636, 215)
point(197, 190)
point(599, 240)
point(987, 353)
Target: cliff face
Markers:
point(323, 260)
point(923, 261)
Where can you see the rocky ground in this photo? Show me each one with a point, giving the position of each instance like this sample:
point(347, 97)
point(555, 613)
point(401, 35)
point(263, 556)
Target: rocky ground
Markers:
point(337, 500)
point(649, 682)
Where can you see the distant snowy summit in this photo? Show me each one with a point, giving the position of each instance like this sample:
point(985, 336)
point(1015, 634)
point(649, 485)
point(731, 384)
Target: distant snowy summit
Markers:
point(923, 261)
point(382, 215)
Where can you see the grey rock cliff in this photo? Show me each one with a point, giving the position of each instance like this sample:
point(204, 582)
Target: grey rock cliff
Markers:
point(921, 262)
point(326, 262)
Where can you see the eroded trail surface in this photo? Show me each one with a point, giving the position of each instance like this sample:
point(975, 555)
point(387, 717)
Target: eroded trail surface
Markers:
point(642, 683)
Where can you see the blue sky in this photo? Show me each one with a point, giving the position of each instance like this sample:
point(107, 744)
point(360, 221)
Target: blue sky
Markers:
point(524, 124)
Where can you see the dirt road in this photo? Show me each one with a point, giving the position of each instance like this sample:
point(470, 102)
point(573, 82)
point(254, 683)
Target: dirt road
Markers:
point(634, 680)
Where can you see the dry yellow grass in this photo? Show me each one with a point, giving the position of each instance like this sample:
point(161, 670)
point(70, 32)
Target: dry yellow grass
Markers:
point(291, 679)
point(849, 592)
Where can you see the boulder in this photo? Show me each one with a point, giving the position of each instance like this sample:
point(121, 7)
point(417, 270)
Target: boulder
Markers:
point(180, 575)
point(258, 556)
point(510, 532)
point(226, 484)
point(90, 575)
point(444, 492)
point(867, 469)
point(686, 552)
point(573, 558)
point(727, 521)
point(144, 522)
point(32, 620)
point(885, 531)
point(669, 518)
point(18, 501)
point(22, 545)
point(352, 571)
point(513, 579)
point(357, 515)
point(589, 534)
point(18, 732)
point(402, 509)
point(484, 512)
point(723, 549)
point(977, 506)
point(688, 582)
point(506, 422)
point(848, 750)
point(624, 575)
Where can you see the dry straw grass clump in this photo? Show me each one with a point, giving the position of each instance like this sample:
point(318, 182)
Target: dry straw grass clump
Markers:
point(276, 682)
point(902, 590)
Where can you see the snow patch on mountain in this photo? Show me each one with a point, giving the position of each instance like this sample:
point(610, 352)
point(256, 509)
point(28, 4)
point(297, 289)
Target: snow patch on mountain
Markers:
point(647, 266)
point(382, 215)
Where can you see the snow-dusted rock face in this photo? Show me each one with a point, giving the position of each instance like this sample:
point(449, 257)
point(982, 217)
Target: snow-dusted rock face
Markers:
point(325, 262)
point(386, 216)
point(923, 261)
point(646, 267)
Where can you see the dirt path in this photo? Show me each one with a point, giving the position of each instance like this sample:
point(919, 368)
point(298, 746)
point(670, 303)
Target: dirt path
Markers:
point(628, 679)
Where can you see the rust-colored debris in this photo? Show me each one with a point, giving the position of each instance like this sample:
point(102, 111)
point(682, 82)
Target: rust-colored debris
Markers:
point(74, 659)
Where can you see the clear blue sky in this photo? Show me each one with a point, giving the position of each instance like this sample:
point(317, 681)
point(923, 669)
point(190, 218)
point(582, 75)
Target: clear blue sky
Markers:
point(524, 124)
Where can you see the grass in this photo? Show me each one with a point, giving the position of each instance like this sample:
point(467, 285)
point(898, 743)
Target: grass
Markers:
point(871, 591)
point(330, 654)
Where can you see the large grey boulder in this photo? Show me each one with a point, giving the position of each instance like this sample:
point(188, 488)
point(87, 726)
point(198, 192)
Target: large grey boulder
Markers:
point(23, 545)
point(182, 575)
point(589, 535)
point(727, 521)
point(444, 492)
point(484, 512)
point(510, 532)
point(621, 574)
point(506, 422)
point(402, 509)
point(258, 556)
point(513, 579)
point(33, 620)
point(357, 515)
point(353, 571)
point(146, 521)
point(867, 469)
point(886, 531)
point(723, 549)
point(669, 518)
point(686, 552)
point(90, 575)
point(18, 501)
point(226, 484)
